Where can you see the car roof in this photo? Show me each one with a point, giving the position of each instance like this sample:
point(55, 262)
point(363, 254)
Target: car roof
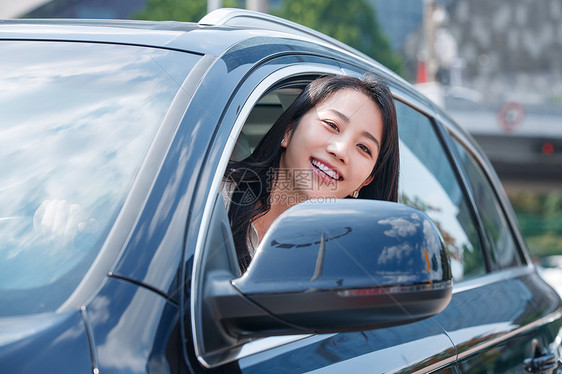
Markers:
point(158, 34)
point(214, 34)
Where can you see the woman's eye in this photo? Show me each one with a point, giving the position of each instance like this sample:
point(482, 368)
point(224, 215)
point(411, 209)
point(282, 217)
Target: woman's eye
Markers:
point(364, 148)
point(332, 125)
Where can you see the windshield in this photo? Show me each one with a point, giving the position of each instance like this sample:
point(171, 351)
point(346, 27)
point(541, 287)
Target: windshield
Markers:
point(76, 122)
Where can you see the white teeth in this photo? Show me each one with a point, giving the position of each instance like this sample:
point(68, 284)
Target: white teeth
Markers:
point(325, 169)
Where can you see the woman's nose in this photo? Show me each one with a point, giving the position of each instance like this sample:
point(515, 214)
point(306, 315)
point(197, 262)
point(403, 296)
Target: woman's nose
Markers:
point(339, 148)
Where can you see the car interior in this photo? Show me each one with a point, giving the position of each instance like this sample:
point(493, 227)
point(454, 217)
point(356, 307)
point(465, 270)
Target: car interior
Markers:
point(261, 118)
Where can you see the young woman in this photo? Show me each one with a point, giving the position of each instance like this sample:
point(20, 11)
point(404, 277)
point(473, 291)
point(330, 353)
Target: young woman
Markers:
point(339, 138)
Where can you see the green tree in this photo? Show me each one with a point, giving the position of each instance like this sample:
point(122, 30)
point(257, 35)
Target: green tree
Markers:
point(352, 22)
point(177, 10)
point(540, 218)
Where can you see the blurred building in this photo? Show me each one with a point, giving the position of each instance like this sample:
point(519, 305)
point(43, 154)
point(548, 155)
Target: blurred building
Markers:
point(508, 87)
point(14, 9)
point(514, 44)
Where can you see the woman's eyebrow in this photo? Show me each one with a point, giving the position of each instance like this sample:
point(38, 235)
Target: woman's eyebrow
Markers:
point(372, 137)
point(342, 116)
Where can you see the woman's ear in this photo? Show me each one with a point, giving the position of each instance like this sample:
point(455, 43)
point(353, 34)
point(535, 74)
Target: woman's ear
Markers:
point(286, 138)
point(368, 181)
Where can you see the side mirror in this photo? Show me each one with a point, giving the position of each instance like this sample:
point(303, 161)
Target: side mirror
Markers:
point(346, 265)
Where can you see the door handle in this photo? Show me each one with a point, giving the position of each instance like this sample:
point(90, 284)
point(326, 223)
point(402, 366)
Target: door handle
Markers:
point(541, 362)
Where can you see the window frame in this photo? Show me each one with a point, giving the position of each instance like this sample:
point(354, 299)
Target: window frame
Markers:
point(268, 83)
point(447, 130)
point(499, 194)
point(461, 180)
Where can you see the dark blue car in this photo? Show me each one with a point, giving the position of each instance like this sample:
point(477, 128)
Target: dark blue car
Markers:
point(116, 254)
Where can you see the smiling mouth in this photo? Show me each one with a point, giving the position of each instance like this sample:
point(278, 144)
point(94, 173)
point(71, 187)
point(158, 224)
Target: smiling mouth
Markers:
point(330, 173)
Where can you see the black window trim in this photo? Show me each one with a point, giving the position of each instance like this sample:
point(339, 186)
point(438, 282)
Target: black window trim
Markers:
point(467, 192)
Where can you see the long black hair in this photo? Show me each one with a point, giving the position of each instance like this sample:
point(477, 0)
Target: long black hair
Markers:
point(255, 175)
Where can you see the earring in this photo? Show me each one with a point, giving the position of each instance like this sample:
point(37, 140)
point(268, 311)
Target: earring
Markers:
point(355, 194)
point(282, 141)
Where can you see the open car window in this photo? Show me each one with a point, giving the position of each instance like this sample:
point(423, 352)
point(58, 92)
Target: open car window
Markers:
point(263, 115)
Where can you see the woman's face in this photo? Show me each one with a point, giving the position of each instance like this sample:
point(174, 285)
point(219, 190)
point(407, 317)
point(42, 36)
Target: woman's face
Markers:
point(334, 148)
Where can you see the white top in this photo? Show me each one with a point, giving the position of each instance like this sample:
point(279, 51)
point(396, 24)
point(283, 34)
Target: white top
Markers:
point(252, 241)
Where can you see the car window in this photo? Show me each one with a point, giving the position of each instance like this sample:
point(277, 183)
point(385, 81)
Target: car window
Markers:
point(503, 251)
point(428, 182)
point(77, 120)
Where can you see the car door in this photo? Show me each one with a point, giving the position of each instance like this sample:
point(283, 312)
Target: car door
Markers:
point(419, 346)
point(502, 320)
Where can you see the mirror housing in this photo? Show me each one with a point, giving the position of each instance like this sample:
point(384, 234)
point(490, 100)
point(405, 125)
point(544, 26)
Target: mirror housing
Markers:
point(326, 267)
